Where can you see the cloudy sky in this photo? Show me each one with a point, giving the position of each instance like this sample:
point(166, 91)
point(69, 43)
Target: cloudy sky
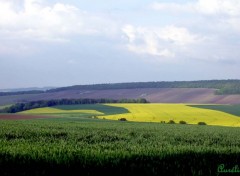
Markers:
point(69, 42)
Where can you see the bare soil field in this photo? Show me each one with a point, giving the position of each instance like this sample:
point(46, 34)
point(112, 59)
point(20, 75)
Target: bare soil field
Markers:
point(20, 117)
point(154, 95)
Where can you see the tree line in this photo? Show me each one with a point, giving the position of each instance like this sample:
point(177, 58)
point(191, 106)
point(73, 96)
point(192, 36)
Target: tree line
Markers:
point(221, 86)
point(21, 92)
point(48, 103)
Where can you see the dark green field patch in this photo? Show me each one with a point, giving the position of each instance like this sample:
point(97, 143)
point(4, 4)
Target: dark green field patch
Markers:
point(230, 109)
point(106, 109)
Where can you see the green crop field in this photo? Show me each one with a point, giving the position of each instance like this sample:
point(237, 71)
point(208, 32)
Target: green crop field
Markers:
point(221, 115)
point(2, 107)
point(90, 140)
point(81, 146)
point(77, 110)
point(231, 109)
point(62, 113)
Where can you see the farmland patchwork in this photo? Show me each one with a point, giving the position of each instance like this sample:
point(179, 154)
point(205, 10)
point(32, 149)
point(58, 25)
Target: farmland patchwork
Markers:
point(71, 143)
point(221, 115)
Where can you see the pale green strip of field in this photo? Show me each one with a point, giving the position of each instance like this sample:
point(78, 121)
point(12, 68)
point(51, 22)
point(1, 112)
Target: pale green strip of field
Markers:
point(5, 106)
point(50, 110)
point(175, 112)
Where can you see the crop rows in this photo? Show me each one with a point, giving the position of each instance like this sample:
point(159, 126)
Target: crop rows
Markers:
point(67, 147)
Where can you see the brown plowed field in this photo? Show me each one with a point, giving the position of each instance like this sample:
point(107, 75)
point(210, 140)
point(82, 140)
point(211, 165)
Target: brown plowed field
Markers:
point(19, 117)
point(155, 95)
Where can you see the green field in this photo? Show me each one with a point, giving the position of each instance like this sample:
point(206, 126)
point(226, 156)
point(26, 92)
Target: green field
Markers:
point(230, 109)
point(62, 113)
point(2, 107)
point(77, 111)
point(77, 141)
point(85, 146)
point(221, 115)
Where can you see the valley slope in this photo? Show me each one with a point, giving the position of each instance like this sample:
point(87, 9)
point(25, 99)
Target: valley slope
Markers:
point(154, 95)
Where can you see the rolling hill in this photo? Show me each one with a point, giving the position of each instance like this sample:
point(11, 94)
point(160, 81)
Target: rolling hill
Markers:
point(203, 92)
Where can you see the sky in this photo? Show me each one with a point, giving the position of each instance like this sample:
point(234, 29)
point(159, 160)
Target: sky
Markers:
point(74, 42)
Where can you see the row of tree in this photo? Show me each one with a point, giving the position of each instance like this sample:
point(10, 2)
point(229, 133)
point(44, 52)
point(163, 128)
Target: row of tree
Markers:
point(222, 86)
point(21, 92)
point(48, 103)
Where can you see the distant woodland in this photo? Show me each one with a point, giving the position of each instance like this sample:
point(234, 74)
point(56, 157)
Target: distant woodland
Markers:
point(222, 86)
point(48, 103)
point(21, 92)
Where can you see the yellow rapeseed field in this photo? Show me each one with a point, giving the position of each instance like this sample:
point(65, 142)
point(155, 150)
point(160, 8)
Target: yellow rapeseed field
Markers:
point(50, 110)
point(175, 112)
point(153, 113)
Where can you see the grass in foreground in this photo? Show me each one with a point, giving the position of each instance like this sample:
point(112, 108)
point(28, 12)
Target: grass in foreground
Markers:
point(71, 147)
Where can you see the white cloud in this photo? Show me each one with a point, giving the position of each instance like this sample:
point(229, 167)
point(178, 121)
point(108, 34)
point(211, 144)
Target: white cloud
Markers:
point(217, 23)
point(25, 23)
point(162, 42)
point(212, 7)
point(208, 7)
point(178, 35)
point(209, 36)
point(34, 19)
point(173, 44)
point(172, 7)
point(129, 30)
